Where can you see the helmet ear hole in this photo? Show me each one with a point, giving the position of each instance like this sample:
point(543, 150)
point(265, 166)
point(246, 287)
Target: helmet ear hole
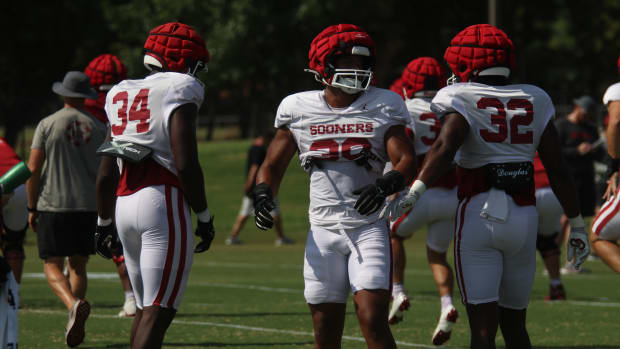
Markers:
point(462, 68)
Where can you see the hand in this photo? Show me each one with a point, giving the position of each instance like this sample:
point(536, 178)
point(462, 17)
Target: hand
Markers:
point(370, 200)
point(612, 187)
point(578, 246)
point(107, 243)
point(584, 148)
point(32, 220)
point(206, 232)
point(405, 204)
point(372, 196)
point(263, 205)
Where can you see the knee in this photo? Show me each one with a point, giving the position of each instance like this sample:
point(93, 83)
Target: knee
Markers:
point(375, 322)
point(547, 245)
point(78, 265)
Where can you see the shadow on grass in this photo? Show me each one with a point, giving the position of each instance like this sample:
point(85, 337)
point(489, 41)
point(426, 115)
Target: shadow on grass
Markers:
point(250, 344)
point(208, 315)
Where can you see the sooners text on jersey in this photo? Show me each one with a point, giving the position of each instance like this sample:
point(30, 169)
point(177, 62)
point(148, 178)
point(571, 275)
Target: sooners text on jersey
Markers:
point(337, 137)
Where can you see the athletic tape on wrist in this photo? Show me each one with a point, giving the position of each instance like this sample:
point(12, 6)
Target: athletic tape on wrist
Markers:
point(417, 187)
point(103, 222)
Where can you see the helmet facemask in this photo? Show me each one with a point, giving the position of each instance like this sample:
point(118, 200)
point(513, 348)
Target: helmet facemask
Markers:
point(349, 80)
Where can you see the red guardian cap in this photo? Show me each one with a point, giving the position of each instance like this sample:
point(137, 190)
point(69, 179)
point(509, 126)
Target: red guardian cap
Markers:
point(423, 77)
point(478, 48)
point(175, 47)
point(397, 86)
point(105, 71)
point(337, 40)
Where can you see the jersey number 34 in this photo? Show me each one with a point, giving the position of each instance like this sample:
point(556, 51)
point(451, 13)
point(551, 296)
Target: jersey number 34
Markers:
point(139, 111)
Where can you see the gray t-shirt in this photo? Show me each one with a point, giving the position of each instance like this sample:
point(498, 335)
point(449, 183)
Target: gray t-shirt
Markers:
point(69, 138)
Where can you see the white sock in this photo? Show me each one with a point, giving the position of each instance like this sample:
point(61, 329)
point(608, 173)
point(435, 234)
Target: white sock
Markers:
point(555, 282)
point(446, 301)
point(398, 288)
point(129, 294)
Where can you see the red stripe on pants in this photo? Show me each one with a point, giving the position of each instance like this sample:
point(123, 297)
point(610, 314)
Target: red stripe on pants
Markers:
point(457, 251)
point(170, 252)
point(177, 282)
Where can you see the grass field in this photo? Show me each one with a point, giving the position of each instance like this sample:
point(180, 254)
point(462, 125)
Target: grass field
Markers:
point(251, 296)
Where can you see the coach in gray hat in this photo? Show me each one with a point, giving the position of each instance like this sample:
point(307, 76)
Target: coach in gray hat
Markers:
point(62, 206)
point(75, 84)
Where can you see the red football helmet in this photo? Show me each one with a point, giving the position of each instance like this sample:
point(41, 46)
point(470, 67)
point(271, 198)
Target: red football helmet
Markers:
point(105, 71)
point(342, 39)
point(175, 47)
point(479, 47)
point(397, 86)
point(422, 77)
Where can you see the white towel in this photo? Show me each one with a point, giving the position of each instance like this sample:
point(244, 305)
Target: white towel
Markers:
point(495, 209)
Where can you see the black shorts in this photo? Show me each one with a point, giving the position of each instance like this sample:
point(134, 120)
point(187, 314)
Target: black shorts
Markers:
point(64, 234)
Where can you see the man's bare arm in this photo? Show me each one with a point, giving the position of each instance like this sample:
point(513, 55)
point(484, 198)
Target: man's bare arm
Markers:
point(562, 184)
point(279, 154)
point(613, 129)
point(107, 182)
point(401, 152)
point(438, 160)
point(185, 150)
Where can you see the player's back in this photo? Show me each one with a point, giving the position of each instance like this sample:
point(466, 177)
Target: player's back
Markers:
point(139, 111)
point(506, 122)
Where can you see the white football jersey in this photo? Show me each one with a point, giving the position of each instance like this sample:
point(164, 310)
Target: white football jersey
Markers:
point(505, 122)
point(424, 123)
point(612, 93)
point(338, 136)
point(139, 110)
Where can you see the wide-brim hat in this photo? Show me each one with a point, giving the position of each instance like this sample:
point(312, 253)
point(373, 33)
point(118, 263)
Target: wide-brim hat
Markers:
point(75, 84)
point(587, 103)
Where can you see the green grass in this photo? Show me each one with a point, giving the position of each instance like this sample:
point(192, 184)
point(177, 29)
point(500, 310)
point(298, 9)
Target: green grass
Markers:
point(251, 296)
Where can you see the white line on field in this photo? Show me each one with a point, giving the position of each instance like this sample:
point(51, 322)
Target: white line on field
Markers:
point(215, 324)
point(114, 276)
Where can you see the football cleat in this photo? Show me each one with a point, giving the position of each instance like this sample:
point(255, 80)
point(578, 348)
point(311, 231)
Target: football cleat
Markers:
point(400, 303)
point(447, 319)
point(556, 293)
point(233, 240)
point(76, 330)
point(129, 308)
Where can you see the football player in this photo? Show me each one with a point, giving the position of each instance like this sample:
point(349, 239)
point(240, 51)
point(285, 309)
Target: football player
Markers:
point(153, 134)
point(549, 227)
point(105, 71)
point(345, 134)
point(606, 225)
point(496, 127)
point(420, 81)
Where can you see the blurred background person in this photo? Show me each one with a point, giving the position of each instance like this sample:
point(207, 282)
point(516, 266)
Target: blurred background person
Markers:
point(579, 139)
point(255, 158)
point(61, 199)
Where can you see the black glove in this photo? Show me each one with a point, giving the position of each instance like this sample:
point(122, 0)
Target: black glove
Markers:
point(206, 232)
point(372, 196)
point(107, 243)
point(263, 205)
